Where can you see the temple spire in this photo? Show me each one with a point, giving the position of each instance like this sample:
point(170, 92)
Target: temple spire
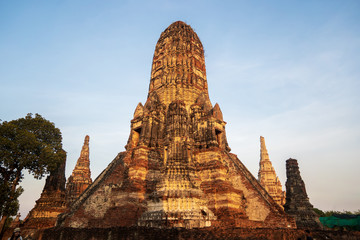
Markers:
point(267, 176)
point(80, 178)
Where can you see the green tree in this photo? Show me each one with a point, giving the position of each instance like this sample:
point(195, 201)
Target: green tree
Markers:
point(33, 144)
point(319, 212)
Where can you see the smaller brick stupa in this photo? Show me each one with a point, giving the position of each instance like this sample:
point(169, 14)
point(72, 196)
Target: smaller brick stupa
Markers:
point(50, 204)
point(267, 176)
point(80, 178)
point(297, 202)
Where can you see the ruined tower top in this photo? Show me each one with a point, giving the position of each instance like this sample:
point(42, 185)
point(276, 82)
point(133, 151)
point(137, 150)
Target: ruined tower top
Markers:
point(265, 164)
point(84, 155)
point(80, 178)
point(83, 163)
point(178, 69)
point(87, 139)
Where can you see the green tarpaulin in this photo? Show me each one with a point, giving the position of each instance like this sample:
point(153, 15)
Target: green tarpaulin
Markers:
point(343, 220)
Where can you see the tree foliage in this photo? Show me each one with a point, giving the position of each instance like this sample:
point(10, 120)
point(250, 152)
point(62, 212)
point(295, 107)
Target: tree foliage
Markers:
point(31, 143)
point(332, 212)
point(319, 212)
point(9, 199)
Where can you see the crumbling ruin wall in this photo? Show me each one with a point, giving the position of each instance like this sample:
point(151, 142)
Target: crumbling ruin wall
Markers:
point(113, 200)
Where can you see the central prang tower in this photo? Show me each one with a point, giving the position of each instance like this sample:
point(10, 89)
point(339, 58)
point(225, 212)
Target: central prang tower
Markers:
point(177, 170)
point(177, 122)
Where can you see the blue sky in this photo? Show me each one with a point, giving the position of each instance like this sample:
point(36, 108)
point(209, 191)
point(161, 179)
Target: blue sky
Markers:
point(285, 70)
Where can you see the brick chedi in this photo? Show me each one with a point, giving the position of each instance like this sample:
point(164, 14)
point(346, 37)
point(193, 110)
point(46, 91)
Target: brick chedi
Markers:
point(297, 201)
point(267, 176)
point(51, 202)
point(177, 170)
point(80, 178)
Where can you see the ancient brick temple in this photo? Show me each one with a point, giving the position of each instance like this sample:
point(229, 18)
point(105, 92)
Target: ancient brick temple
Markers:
point(50, 204)
point(177, 170)
point(297, 202)
point(80, 178)
point(267, 176)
